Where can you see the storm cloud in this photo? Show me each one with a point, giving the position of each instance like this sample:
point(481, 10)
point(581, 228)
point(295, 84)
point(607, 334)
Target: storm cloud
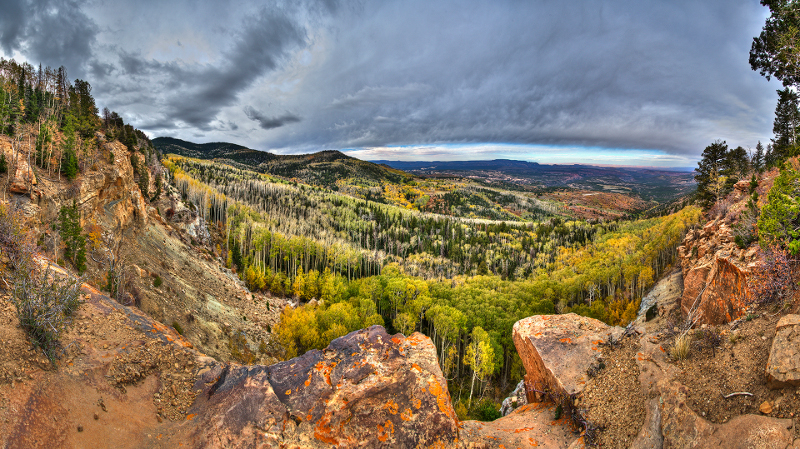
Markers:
point(620, 75)
point(270, 122)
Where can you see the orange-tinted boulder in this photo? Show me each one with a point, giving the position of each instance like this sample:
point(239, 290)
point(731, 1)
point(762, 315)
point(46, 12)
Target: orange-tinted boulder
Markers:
point(559, 350)
point(367, 389)
point(715, 293)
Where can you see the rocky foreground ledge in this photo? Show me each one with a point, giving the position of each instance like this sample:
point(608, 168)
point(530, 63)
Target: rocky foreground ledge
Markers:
point(367, 389)
point(127, 381)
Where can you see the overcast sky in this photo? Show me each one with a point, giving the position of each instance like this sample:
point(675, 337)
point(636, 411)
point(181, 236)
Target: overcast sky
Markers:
point(608, 82)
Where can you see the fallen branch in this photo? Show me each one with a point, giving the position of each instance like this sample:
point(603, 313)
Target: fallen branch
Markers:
point(738, 393)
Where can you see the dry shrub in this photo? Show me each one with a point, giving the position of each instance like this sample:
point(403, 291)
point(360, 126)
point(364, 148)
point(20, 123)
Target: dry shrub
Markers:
point(681, 347)
point(771, 280)
point(720, 208)
point(45, 305)
point(44, 301)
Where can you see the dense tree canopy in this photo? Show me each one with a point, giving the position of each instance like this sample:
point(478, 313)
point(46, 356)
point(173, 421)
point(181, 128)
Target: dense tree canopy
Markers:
point(776, 51)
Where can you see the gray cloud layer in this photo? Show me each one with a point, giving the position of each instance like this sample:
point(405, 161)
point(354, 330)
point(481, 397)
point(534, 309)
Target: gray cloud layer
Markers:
point(670, 76)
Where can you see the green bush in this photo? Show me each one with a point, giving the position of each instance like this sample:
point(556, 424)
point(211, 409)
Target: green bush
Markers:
point(177, 326)
point(157, 282)
point(485, 410)
point(779, 224)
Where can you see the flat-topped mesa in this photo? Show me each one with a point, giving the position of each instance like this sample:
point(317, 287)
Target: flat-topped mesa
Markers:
point(367, 389)
point(559, 350)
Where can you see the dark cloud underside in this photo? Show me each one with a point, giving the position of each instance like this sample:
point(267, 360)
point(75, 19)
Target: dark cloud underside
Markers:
point(670, 76)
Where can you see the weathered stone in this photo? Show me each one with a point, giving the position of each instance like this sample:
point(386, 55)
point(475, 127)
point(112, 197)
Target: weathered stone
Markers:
point(21, 176)
point(663, 296)
point(367, 389)
point(715, 292)
point(650, 436)
point(783, 366)
point(515, 400)
point(683, 428)
point(715, 273)
point(532, 425)
point(558, 351)
point(741, 188)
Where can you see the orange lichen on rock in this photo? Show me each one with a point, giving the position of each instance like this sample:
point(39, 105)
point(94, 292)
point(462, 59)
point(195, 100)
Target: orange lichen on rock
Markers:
point(442, 398)
point(392, 407)
point(322, 431)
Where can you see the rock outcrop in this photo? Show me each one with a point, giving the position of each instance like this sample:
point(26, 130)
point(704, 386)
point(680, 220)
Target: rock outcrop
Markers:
point(21, 176)
point(559, 350)
point(683, 428)
point(783, 367)
point(367, 389)
point(532, 425)
point(515, 400)
point(715, 274)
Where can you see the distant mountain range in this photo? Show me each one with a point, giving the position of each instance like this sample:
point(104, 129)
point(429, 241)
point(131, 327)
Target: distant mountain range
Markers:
point(648, 183)
point(505, 164)
point(323, 168)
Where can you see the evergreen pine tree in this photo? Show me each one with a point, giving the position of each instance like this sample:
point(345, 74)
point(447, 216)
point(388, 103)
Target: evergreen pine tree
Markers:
point(758, 158)
point(72, 236)
point(787, 120)
point(710, 177)
point(157, 193)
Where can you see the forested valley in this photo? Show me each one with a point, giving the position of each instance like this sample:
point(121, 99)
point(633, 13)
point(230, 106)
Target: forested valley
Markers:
point(349, 262)
point(352, 263)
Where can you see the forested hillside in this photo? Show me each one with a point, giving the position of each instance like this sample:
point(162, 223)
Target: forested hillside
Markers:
point(479, 196)
point(42, 106)
point(464, 282)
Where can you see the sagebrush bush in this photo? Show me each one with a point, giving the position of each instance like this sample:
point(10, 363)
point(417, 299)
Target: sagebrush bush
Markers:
point(44, 301)
point(45, 305)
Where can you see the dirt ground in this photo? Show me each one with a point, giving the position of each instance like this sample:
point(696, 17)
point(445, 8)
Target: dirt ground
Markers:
point(737, 365)
point(613, 399)
point(723, 359)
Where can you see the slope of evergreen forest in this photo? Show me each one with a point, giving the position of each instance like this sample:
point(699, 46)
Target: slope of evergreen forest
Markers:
point(322, 169)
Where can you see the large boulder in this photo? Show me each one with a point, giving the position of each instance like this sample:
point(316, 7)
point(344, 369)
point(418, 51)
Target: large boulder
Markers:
point(532, 425)
point(558, 351)
point(783, 367)
point(715, 273)
point(715, 293)
point(367, 389)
